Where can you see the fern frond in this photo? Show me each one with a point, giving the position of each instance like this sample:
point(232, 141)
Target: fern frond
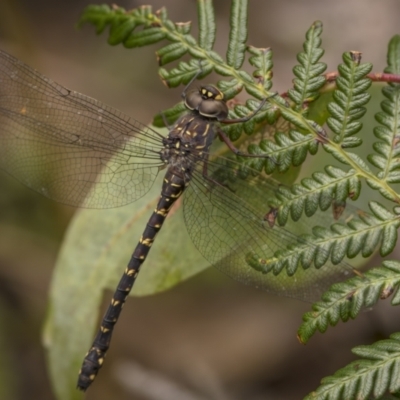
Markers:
point(284, 151)
point(308, 74)
point(184, 72)
point(345, 300)
point(320, 191)
point(350, 94)
point(261, 59)
point(349, 100)
point(268, 113)
point(207, 28)
point(123, 24)
point(393, 56)
point(360, 235)
point(141, 26)
point(387, 149)
point(370, 377)
point(238, 34)
point(347, 157)
point(124, 29)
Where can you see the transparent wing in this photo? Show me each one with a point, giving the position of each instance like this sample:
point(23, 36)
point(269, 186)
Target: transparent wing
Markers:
point(69, 147)
point(225, 218)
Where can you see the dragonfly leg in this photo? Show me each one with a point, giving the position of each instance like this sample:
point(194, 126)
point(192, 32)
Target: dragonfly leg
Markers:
point(195, 76)
point(223, 136)
point(248, 117)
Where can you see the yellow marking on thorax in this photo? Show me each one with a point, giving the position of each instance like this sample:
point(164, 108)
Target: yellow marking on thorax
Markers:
point(206, 130)
point(175, 196)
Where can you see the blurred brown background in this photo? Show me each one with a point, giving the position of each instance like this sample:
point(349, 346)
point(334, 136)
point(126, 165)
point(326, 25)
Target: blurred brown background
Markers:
point(220, 340)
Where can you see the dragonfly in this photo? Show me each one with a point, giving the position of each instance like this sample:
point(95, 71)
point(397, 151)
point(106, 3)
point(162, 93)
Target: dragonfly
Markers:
point(80, 152)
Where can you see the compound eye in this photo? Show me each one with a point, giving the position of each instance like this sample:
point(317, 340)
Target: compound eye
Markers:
point(214, 109)
point(208, 101)
point(211, 92)
point(193, 99)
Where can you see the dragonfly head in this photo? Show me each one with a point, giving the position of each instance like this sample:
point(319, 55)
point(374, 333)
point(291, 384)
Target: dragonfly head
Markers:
point(208, 101)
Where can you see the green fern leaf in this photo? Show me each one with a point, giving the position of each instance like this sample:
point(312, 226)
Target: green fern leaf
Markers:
point(121, 28)
point(100, 16)
point(156, 26)
point(370, 377)
point(124, 23)
point(349, 100)
point(393, 56)
point(143, 38)
point(238, 34)
point(385, 190)
point(207, 28)
point(387, 150)
point(284, 151)
point(350, 159)
point(230, 88)
point(308, 79)
point(184, 72)
point(268, 113)
point(320, 191)
point(345, 300)
point(171, 53)
point(359, 235)
point(261, 59)
point(297, 120)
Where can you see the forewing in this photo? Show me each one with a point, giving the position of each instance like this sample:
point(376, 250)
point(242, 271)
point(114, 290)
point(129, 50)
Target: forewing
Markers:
point(70, 147)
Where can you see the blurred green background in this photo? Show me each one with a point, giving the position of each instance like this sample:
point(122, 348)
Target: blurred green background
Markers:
point(209, 338)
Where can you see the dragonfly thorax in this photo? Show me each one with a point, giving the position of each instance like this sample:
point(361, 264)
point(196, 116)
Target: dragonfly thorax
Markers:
point(188, 142)
point(208, 101)
point(190, 138)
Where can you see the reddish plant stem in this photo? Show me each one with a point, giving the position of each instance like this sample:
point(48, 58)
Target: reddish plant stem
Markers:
point(376, 77)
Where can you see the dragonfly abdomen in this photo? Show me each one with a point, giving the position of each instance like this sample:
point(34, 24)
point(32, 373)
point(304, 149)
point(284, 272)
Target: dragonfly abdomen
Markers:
point(172, 189)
